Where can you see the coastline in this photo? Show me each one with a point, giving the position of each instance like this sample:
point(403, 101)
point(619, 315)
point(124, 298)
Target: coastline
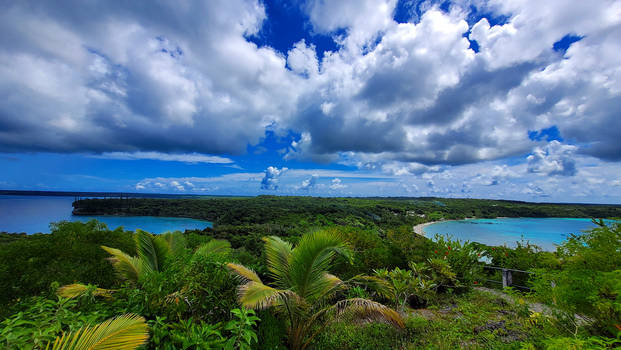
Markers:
point(418, 229)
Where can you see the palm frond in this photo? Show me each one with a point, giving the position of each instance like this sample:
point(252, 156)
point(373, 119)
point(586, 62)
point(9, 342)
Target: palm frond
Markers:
point(127, 267)
point(376, 283)
point(258, 296)
point(324, 286)
point(312, 257)
point(77, 290)
point(124, 332)
point(213, 248)
point(153, 251)
point(176, 241)
point(367, 311)
point(278, 254)
point(243, 273)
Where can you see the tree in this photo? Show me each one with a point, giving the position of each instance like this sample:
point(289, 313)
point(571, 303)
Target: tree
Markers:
point(155, 253)
point(303, 287)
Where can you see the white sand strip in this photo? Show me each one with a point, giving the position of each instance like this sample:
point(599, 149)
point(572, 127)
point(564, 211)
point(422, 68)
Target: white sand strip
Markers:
point(418, 229)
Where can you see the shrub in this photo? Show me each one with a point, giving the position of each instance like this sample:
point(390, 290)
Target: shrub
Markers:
point(589, 280)
point(71, 253)
point(349, 336)
point(524, 256)
point(39, 320)
point(271, 332)
point(372, 252)
point(409, 246)
point(462, 257)
point(186, 334)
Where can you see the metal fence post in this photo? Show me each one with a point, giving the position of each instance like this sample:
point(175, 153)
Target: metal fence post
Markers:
point(507, 279)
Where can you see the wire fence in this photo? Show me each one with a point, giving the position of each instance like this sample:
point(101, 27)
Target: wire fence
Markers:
point(507, 277)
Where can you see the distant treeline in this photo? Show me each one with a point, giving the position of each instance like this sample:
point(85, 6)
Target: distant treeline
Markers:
point(295, 211)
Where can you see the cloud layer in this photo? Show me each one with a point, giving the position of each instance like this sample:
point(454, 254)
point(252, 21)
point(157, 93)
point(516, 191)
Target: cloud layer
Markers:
point(450, 87)
point(191, 158)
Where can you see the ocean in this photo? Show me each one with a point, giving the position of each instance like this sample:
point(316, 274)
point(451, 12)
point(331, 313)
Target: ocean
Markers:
point(544, 232)
point(33, 214)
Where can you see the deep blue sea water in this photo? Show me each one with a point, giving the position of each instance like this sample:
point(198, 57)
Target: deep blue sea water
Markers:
point(32, 214)
point(544, 232)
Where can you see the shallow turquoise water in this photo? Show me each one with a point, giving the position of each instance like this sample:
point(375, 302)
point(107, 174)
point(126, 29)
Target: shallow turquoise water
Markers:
point(544, 232)
point(153, 224)
point(32, 214)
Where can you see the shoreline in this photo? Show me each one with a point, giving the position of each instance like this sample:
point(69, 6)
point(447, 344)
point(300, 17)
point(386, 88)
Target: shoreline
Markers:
point(418, 229)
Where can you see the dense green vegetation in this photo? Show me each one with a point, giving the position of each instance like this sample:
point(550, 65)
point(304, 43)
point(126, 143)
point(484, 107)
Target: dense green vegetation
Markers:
point(277, 273)
point(305, 211)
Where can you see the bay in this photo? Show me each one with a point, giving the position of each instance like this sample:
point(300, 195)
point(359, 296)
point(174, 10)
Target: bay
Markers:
point(544, 232)
point(33, 214)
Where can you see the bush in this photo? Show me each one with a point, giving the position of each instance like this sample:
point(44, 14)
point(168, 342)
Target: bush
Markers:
point(372, 252)
point(186, 334)
point(589, 279)
point(38, 321)
point(409, 246)
point(71, 253)
point(524, 256)
point(348, 336)
point(271, 332)
point(196, 287)
point(463, 258)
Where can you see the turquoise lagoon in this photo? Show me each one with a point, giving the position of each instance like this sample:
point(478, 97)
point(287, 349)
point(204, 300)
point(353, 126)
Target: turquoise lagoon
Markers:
point(544, 232)
point(33, 214)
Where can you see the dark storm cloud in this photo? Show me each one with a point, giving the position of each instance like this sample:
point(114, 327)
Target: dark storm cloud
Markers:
point(478, 84)
point(337, 134)
point(602, 139)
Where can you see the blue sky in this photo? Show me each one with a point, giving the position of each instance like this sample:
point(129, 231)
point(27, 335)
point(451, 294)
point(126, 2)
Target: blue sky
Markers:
point(467, 98)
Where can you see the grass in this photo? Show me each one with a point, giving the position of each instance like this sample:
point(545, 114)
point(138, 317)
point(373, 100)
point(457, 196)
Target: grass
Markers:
point(476, 320)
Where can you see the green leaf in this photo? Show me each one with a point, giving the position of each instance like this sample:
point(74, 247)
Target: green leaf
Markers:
point(124, 332)
point(126, 266)
point(153, 251)
point(214, 248)
point(278, 254)
point(311, 259)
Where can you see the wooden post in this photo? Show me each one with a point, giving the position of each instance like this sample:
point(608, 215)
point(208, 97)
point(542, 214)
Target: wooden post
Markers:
point(507, 279)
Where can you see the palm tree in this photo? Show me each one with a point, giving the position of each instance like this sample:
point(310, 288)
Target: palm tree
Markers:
point(303, 287)
point(155, 253)
point(124, 332)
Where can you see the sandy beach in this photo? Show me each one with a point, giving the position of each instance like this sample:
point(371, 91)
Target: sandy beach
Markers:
point(418, 229)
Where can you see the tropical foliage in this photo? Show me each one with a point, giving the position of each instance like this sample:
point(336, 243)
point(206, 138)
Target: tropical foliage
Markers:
point(125, 332)
point(303, 287)
point(154, 255)
point(285, 278)
point(588, 281)
point(72, 252)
